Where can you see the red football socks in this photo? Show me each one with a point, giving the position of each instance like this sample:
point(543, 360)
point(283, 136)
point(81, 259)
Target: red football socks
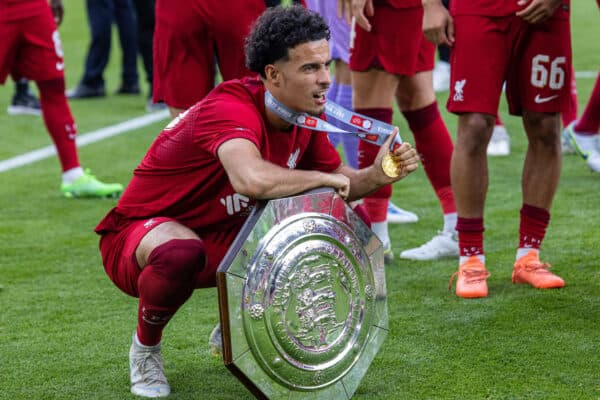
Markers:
point(434, 144)
point(59, 121)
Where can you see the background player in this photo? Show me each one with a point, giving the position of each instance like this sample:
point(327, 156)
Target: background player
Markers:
point(390, 59)
point(341, 91)
point(189, 37)
point(30, 47)
point(528, 45)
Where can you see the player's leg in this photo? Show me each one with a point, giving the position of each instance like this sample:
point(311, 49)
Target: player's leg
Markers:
point(386, 49)
point(590, 119)
point(170, 257)
point(41, 58)
point(100, 16)
point(479, 61)
point(9, 46)
point(469, 173)
point(583, 134)
point(373, 96)
point(184, 67)
point(541, 169)
point(156, 260)
point(541, 97)
point(23, 100)
point(229, 38)
point(126, 26)
point(373, 89)
point(76, 182)
point(145, 32)
point(570, 113)
point(541, 173)
point(416, 100)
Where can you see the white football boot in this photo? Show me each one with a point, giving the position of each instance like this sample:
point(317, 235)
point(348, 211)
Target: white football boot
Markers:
point(146, 371)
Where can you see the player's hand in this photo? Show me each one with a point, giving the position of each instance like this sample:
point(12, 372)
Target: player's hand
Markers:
point(538, 10)
point(357, 8)
point(438, 25)
point(339, 182)
point(404, 155)
point(57, 10)
point(344, 10)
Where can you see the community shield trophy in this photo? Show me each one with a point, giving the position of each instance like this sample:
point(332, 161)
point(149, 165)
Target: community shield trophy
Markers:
point(302, 299)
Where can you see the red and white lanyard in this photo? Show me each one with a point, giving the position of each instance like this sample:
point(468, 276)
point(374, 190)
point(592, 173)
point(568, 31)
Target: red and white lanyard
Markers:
point(370, 130)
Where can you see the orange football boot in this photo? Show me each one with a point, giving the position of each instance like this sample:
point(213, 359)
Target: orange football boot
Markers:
point(528, 269)
point(471, 282)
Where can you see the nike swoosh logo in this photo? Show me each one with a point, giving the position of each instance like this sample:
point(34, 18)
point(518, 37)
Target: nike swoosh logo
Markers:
point(540, 100)
point(60, 66)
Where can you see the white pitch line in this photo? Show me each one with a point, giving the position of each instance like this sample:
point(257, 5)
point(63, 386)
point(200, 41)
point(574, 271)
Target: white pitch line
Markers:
point(586, 74)
point(84, 139)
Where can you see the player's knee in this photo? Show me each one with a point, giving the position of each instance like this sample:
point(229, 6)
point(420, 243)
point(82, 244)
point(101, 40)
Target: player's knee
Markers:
point(178, 259)
point(475, 132)
point(542, 129)
point(478, 123)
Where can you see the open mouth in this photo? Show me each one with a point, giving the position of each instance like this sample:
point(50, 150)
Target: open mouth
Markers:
point(320, 96)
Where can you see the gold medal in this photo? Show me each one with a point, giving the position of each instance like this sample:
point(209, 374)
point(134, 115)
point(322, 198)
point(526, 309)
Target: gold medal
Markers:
point(390, 166)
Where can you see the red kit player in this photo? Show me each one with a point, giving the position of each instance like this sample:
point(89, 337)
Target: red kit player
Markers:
point(30, 47)
point(194, 188)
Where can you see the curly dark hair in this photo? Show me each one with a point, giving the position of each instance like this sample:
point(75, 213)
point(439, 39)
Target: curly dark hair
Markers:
point(279, 29)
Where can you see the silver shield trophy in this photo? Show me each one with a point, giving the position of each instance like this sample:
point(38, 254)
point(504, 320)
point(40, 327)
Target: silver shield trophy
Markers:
point(302, 299)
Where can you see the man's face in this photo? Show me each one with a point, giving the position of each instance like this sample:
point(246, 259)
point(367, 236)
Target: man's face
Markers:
point(302, 81)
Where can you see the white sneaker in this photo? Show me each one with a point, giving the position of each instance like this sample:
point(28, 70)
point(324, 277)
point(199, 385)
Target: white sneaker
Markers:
point(441, 76)
point(499, 144)
point(443, 245)
point(215, 341)
point(146, 371)
point(593, 161)
point(396, 215)
point(587, 146)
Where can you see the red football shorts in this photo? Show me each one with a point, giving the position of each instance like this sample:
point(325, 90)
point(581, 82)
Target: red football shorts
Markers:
point(534, 60)
point(121, 266)
point(396, 42)
point(190, 37)
point(30, 48)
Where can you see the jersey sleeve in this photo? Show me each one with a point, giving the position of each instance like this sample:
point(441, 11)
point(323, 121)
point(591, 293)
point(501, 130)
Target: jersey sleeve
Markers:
point(227, 116)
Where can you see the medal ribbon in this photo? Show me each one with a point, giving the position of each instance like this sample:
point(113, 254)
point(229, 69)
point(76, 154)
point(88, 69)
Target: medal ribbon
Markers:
point(371, 130)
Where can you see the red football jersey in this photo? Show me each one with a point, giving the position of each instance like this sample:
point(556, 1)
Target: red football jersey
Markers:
point(181, 176)
point(496, 8)
point(19, 9)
